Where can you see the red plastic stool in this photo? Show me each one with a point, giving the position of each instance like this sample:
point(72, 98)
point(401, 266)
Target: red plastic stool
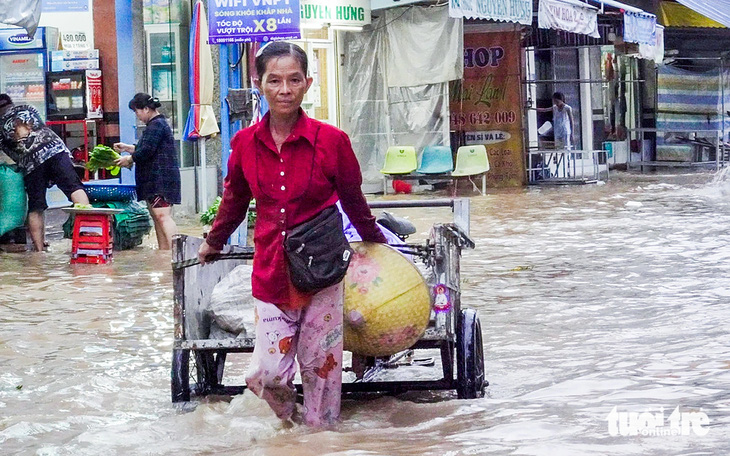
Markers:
point(92, 240)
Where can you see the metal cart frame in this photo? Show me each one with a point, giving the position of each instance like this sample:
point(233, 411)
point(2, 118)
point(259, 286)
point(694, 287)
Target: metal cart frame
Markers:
point(458, 338)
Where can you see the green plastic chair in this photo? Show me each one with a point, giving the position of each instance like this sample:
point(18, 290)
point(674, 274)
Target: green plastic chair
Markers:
point(470, 161)
point(400, 160)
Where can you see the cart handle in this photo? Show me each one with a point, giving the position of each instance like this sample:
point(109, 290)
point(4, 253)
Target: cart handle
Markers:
point(246, 254)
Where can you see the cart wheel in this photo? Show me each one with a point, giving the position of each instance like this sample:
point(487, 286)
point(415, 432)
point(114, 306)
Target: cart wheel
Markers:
point(470, 380)
point(180, 375)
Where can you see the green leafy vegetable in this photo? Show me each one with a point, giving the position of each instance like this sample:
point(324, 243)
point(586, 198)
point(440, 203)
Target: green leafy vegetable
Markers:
point(207, 217)
point(103, 157)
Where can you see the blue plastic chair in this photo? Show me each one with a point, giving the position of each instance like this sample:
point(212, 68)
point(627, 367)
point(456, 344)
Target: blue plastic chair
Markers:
point(436, 160)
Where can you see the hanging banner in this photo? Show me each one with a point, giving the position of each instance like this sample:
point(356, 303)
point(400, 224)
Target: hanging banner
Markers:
point(355, 13)
point(498, 10)
point(244, 21)
point(568, 15)
point(655, 52)
point(485, 105)
point(639, 28)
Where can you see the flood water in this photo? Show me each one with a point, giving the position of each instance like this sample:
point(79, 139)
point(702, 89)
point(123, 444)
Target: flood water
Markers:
point(590, 298)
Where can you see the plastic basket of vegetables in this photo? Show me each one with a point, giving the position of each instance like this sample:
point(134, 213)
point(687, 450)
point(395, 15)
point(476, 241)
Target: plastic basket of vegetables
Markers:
point(104, 157)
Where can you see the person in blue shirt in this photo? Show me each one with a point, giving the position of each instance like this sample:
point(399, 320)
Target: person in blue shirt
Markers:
point(157, 172)
point(44, 159)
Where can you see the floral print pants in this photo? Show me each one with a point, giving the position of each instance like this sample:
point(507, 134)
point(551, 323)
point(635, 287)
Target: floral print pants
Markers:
point(314, 336)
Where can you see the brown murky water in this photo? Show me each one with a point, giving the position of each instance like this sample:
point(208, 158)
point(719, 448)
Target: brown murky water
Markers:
point(590, 298)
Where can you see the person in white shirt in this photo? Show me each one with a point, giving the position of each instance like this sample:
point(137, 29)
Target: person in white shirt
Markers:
point(562, 122)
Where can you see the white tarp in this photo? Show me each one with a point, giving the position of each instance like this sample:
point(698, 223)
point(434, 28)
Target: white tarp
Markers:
point(22, 13)
point(568, 15)
point(425, 46)
point(365, 112)
point(497, 10)
point(377, 116)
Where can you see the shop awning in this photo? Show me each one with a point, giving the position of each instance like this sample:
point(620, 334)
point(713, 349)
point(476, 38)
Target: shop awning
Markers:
point(677, 15)
point(519, 11)
point(568, 15)
point(22, 13)
point(717, 10)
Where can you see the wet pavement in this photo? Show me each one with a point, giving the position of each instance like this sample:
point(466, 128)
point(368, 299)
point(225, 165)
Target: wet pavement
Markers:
point(593, 299)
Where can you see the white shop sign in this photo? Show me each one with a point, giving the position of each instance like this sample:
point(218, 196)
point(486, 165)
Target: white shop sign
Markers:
point(499, 10)
point(568, 15)
point(354, 13)
point(75, 41)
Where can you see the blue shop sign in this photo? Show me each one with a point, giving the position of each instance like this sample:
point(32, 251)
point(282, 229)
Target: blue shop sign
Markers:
point(639, 28)
point(65, 6)
point(243, 21)
point(16, 39)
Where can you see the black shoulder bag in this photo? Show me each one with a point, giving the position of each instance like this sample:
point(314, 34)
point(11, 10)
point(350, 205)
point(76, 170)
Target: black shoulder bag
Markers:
point(317, 250)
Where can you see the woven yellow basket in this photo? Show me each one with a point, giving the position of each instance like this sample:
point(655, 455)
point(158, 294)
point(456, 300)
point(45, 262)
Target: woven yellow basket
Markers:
point(387, 301)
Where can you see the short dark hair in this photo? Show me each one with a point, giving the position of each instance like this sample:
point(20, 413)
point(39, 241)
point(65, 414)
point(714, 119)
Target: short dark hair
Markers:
point(5, 102)
point(144, 100)
point(275, 49)
point(559, 96)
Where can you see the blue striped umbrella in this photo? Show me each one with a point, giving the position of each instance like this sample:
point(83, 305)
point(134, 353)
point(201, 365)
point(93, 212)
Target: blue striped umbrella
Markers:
point(201, 121)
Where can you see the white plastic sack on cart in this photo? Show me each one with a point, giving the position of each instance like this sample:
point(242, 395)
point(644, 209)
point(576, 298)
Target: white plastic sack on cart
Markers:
point(231, 307)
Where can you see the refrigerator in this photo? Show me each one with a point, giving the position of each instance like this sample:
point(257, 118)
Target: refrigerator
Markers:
point(74, 95)
point(23, 65)
point(66, 95)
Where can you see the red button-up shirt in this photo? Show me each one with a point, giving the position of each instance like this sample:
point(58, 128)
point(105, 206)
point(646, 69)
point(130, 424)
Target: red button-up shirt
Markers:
point(315, 168)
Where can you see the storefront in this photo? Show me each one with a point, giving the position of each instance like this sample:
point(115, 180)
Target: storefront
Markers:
point(693, 86)
point(486, 104)
point(591, 54)
point(65, 86)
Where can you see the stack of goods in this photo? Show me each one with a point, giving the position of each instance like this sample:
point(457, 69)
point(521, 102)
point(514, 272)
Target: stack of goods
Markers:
point(130, 226)
point(74, 60)
point(91, 242)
